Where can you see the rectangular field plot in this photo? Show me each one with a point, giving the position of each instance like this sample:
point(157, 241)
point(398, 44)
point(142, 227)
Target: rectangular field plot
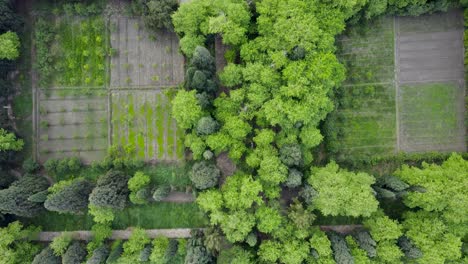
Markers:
point(432, 117)
point(368, 52)
point(364, 122)
point(142, 59)
point(142, 118)
point(79, 52)
point(430, 47)
point(72, 125)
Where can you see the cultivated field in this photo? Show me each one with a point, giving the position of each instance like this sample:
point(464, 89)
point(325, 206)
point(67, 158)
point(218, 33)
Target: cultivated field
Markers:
point(142, 59)
point(364, 120)
point(72, 125)
point(143, 118)
point(405, 88)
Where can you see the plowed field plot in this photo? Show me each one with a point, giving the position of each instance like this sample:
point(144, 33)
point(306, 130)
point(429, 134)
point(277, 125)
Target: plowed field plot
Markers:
point(142, 59)
point(72, 125)
point(142, 118)
point(405, 88)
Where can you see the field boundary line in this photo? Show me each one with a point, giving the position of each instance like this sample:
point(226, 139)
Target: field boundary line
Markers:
point(396, 37)
point(366, 84)
point(430, 81)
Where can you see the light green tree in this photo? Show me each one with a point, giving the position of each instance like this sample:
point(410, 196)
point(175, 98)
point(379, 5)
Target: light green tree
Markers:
point(9, 45)
point(8, 141)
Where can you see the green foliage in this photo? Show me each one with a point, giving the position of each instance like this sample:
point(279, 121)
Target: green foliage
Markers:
point(9, 45)
point(185, 109)
point(365, 242)
point(76, 253)
point(301, 217)
point(8, 141)
point(70, 199)
point(294, 178)
point(444, 188)
point(329, 182)
point(100, 233)
point(60, 243)
point(63, 166)
point(157, 14)
point(410, 250)
point(44, 36)
point(432, 236)
point(111, 191)
point(116, 252)
point(268, 219)
point(14, 199)
point(204, 175)
point(359, 255)
point(158, 254)
point(39, 197)
point(235, 255)
point(138, 182)
point(15, 247)
point(269, 251)
point(46, 256)
point(308, 194)
point(231, 75)
point(136, 243)
point(101, 215)
point(145, 254)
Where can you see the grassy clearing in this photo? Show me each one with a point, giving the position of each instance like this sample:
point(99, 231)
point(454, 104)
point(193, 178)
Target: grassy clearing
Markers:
point(364, 123)
point(429, 113)
point(151, 216)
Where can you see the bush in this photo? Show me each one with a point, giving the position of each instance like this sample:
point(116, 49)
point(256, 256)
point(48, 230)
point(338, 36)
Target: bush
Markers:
point(46, 257)
point(308, 194)
point(9, 46)
point(100, 233)
point(158, 254)
point(99, 256)
point(145, 253)
point(161, 192)
point(101, 215)
point(136, 185)
point(204, 175)
point(207, 126)
point(75, 254)
point(111, 191)
point(294, 178)
point(116, 252)
point(60, 243)
point(30, 166)
point(158, 13)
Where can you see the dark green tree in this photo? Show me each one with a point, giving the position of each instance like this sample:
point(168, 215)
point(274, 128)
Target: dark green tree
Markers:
point(207, 125)
point(111, 191)
point(294, 178)
point(196, 251)
point(99, 255)
point(291, 155)
point(158, 14)
point(341, 251)
point(46, 256)
point(70, 199)
point(75, 254)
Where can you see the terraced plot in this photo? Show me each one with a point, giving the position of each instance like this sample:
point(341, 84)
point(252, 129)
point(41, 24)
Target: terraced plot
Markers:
point(72, 125)
point(142, 118)
point(142, 59)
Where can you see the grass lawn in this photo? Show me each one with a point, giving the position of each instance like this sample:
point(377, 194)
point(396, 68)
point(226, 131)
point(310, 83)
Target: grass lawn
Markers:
point(151, 216)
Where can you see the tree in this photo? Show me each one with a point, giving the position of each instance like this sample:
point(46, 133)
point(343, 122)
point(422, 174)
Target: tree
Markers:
point(204, 175)
point(158, 14)
point(100, 233)
point(340, 248)
point(116, 252)
point(291, 155)
point(138, 182)
point(444, 188)
point(46, 256)
point(99, 255)
point(206, 126)
point(70, 199)
point(76, 253)
point(15, 247)
point(14, 200)
point(294, 178)
point(137, 241)
point(186, 109)
point(268, 219)
point(8, 141)
point(9, 46)
point(329, 182)
point(236, 255)
point(111, 191)
point(196, 251)
point(60, 243)
point(161, 192)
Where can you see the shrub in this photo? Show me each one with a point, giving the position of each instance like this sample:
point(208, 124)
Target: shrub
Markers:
point(136, 184)
point(111, 191)
point(100, 233)
point(145, 253)
point(76, 253)
point(158, 254)
point(207, 126)
point(46, 256)
point(294, 178)
point(308, 194)
point(161, 192)
point(30, 166)
point(9, 45)
point(157, 14)
point(101, 215)
point(116, 252)
point(204, 175)
point(136, 243)
point(60, 243)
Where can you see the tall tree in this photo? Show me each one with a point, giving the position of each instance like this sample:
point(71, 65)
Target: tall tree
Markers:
point(72, 198)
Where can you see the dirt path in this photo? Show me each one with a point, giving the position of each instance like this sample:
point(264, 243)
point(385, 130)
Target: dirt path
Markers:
point(179, 197)
point(118, 234)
